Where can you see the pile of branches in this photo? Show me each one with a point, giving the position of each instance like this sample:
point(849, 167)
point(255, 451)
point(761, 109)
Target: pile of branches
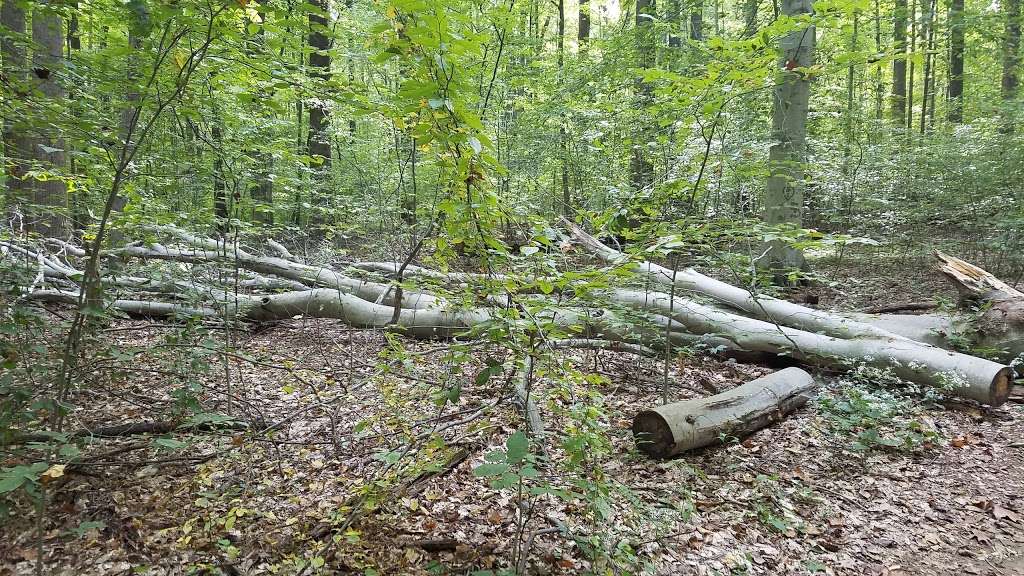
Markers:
point(678, 308)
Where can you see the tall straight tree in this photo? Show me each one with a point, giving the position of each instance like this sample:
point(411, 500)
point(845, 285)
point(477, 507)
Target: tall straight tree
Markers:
point(899, 63)
point(750, 18)
point(784, 196)
point(697, 21)
point(910, 77)
point(261, 190)
point(583, 19)
point(641, 168)
point(955, 87)
point(562, 152)
point(1011, 61)
point(12, 18)
point(929, 59)
point(49, 195)
point(318, 139)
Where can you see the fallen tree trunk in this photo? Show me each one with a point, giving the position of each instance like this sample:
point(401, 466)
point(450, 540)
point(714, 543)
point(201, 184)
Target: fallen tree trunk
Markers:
point(770, 326)
point(755, 305)
point(675, 428)
point(962, 375)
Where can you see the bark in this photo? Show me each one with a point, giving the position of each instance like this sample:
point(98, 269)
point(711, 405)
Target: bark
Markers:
point(583, 32)
point(318, 143)
point(955, 88)
point(16, 147)
point(964, 376)
point(784, 195)
point(899, 64)
point(675, 428)
point(47, 214)
point(1011, 61)
point(697, 22)
point(261, 191)
point(755, 305)
point(750, 18)
point(640, 167)
point(131, 429)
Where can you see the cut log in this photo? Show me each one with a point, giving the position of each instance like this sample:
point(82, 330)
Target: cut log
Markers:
point(676, 428)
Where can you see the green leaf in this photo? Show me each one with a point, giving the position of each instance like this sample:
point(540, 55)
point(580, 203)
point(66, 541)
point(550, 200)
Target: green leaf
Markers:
point(170, 443)
point(490, 469)
point(11, 480)
point(517, 447)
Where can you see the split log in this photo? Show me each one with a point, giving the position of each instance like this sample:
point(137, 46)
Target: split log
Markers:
point(675, 428)
point(994, 321)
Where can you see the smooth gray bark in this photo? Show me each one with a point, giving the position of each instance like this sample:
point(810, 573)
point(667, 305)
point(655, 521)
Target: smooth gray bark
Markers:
point(676, 428)
point(784, 195)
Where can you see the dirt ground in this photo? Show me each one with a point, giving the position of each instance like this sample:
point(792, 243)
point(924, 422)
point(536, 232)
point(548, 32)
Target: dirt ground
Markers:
point(355, 479)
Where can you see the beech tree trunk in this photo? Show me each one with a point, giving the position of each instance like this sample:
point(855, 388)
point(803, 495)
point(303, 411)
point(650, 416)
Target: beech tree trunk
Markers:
point(955, 89)
point(899, 63)
point(48, 213)
point(741, 323)
point(16, 146)
point(318, 142)
point(676, 428)
point(784, 195)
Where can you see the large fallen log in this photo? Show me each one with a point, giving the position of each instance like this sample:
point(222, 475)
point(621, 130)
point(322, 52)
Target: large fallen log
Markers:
point(755, 305)
point(962, 375)
point(675, 428)
point(741, 321)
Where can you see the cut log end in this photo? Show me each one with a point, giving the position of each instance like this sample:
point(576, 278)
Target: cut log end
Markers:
point(1002, 385)
point(653, 434)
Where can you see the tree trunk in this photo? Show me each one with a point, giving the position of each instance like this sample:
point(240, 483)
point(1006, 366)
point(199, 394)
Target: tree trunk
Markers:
point(1011, 61)
point(899, 63)
point(955, 89)
point(563, 155)
point(641, 168)
point(318, 142)
point(750, 18)
point(49, 196)
point(16, 145)
point(583, 32)
point(784, 195)
point(261, 191)
point(929, 67)
point(675, 428)
point(697, 22)
point(910, 74)
point(220, 197)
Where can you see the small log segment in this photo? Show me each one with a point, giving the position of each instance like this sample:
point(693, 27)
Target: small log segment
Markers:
point(675, 428)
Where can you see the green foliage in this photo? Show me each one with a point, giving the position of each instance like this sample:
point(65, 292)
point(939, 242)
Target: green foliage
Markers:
point(875, 410)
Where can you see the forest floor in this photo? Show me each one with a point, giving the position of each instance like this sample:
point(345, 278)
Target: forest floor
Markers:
point(796, 498)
